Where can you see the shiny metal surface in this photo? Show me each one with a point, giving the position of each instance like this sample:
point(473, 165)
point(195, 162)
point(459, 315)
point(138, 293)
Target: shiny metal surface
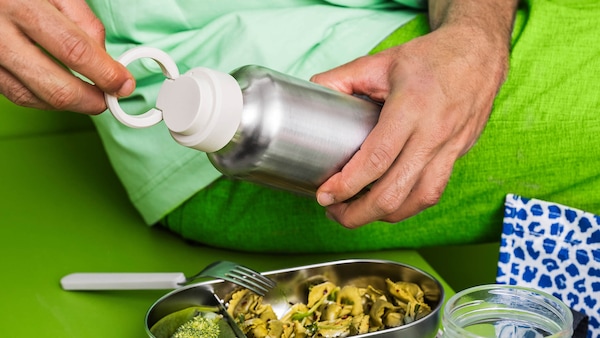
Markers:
point(291, 288)
point(294, 134)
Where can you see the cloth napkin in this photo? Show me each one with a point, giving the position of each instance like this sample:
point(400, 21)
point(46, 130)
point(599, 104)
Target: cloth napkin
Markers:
point(555, 249)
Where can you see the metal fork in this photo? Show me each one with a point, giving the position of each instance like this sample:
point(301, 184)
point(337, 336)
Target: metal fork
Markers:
point(225, 270)
point(237, 274)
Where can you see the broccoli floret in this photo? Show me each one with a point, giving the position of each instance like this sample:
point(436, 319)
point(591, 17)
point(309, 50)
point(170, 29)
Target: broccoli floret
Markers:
point(199, 327)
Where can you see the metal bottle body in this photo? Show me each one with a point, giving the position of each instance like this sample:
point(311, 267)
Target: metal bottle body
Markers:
point(293, 134)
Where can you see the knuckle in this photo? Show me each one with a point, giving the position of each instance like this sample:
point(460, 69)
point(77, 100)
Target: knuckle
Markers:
point(442, 131)
point(389, 202)
point(63, 97)
point(21, 96)
point(348, 186)
point(76, 51)
point(350, 223)
point(380, 159)
point(438, 132)
point(347, 224)
point(111, 79)
point(97, 28)
point(430, 198)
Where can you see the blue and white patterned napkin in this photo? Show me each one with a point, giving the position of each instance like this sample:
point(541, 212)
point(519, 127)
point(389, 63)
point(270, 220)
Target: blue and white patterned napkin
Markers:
point(555, 249)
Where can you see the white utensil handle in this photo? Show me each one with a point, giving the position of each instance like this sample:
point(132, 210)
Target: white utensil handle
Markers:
point(122, 281)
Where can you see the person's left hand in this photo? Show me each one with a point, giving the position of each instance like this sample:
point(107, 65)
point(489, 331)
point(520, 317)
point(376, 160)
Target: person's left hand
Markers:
point(438, 92)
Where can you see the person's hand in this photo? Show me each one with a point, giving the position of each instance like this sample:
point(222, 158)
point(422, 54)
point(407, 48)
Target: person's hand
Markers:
point(438, 92)
point(36, 33)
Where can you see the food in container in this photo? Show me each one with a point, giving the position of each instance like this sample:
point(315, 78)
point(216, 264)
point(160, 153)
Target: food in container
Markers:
point(293, 287)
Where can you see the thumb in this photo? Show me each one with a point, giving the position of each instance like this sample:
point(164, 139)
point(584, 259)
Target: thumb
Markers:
point(366, 75)
point(339, 78)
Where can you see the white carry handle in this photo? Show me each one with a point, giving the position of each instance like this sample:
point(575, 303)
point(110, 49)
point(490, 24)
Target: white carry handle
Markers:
point(122, 281)
point(154, 115)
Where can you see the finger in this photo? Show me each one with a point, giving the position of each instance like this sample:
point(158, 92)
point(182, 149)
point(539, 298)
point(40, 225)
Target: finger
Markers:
point(369, 163)
point(385, 196)
point(395, 180)
point(44, 78)
point(375, 156)
point(63, 39)
point(415, 183)
point(17, 93)
point(427, 191)
point(81, 14)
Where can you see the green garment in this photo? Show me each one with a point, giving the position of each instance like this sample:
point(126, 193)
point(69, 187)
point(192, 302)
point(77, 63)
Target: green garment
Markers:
point(542, 141)
point(298, 37)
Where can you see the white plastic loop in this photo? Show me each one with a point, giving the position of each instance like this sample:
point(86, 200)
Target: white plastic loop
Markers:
point(154, 115)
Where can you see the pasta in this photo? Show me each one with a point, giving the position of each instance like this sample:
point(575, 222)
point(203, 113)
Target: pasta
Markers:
point(331, 311)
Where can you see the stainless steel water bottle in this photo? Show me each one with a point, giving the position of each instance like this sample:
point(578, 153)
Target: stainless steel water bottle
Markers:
point(293, 134)
point(260, 125)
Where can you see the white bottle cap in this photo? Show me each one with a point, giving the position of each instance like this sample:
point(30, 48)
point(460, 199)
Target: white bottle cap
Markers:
point(202, 108)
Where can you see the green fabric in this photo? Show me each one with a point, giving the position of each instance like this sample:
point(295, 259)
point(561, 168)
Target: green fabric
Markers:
point(541, 141)
point(298, 37)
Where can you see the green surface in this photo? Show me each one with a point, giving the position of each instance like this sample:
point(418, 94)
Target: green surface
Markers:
point(464, 266)
point(18, 121)
point(63, 210)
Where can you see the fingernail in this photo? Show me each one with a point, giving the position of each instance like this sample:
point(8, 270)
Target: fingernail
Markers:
point(325, 199)
point(126, 89)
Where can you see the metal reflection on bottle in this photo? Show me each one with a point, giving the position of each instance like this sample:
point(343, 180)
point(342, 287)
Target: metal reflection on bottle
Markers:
point(294, 134)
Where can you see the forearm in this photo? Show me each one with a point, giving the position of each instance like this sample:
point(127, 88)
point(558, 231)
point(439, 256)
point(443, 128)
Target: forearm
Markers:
point(491, 18)
point(479, 28)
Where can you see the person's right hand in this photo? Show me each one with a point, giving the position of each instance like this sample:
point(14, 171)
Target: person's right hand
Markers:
point(38, 33)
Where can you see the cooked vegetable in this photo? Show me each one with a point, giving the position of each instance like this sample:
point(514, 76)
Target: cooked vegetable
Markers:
point(331, 311)
point(167, 325)
point(351, 297)
point(202, 326)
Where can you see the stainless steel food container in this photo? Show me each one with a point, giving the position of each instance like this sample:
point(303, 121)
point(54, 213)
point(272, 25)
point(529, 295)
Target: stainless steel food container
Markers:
point(291, 288)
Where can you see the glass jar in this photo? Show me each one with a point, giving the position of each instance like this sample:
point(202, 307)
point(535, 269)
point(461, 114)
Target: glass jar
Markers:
point(505, 311)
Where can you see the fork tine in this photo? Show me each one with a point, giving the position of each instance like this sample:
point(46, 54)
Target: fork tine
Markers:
point(237, 274)
point(247, 283)
point(251, 280)
point(268, 282)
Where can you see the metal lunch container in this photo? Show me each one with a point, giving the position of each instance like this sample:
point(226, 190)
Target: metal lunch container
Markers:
point(291, 288)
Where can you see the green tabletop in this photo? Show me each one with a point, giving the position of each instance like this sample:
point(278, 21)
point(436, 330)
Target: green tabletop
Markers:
point(62, 210)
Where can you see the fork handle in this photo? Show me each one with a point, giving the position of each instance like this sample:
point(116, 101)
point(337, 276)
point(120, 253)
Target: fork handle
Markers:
point(122, 281)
